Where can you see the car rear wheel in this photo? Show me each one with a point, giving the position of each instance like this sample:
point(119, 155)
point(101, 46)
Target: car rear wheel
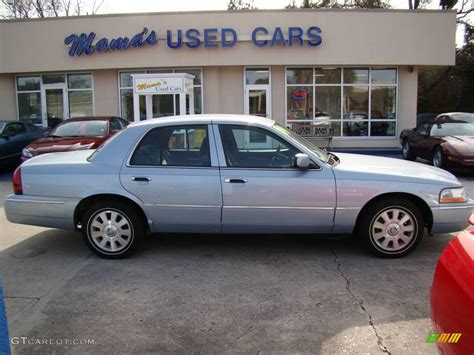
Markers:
point(406, 152)
point(391, 228)
point(438, 157)
point(112, 229)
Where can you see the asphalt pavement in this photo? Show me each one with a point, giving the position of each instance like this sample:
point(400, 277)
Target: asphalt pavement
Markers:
point(214, 294)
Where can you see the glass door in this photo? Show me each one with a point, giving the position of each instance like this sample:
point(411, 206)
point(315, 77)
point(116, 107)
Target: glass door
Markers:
point(55, 105)
point(257, 103)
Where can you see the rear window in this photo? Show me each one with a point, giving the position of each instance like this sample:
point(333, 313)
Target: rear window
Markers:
point(81, 129)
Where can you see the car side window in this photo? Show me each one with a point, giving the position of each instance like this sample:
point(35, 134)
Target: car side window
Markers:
point(254, 147)
point(15, 128)
point(115, 125)
point(422, 128)
point(186, 145)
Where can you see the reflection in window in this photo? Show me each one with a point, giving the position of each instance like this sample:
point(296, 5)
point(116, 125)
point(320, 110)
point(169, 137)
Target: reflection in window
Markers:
point(28, 83)
point(383, 102)
point(327, 75)
point(29, 107)
point(257, 76)
point(300, 102)
point(80, 103)
point(79, 81)
point(341, 100)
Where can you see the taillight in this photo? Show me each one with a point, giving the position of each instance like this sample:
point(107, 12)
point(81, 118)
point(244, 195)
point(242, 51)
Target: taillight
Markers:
point(17, 188)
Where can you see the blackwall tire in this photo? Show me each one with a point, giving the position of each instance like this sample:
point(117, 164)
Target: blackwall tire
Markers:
point(406, 152)
point(391, 228)
point(112, 229)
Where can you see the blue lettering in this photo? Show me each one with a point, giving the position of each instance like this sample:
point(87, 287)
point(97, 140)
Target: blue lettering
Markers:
point(152, 39)
point(225, 41)
point(119, 43)
point(136, 41)
point(102, 45)
point(210, 37)
point(259, 43)
point(169, 39)
point(80, 44)
point(314, 34)
point(278, 37)
point(192, 35)
point(295, 33)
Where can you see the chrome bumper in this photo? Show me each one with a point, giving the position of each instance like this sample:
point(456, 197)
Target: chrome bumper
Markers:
point(451, 218)
point(41, 211)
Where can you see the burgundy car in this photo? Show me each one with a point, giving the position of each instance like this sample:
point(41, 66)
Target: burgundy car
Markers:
point(75, 134)
point(452, 296)
point(448, 144)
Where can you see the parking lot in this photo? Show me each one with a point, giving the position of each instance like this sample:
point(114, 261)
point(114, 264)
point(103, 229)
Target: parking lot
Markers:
point(214, 294)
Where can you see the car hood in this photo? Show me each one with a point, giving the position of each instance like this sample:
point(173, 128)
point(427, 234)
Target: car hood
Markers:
point(368, 167)
point(64, 144)
point(463, 144)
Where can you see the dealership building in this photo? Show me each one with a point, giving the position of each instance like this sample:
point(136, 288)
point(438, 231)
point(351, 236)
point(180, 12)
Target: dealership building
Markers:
point(349, 73)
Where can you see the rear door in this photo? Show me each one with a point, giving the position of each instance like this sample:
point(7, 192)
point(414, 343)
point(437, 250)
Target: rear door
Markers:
point(174, 171)
point(263, 192)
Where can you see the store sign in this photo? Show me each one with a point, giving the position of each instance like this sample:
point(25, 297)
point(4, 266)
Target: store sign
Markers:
point(87, 43)
point(299, 94)
point(170, 85)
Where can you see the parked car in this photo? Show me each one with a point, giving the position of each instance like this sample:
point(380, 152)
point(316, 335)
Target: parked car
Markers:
point(15, 135)
point(448, 144)
point(424, 117)
point(205, 174)
point(456, 116)
point(75, 134)
point(452, 295)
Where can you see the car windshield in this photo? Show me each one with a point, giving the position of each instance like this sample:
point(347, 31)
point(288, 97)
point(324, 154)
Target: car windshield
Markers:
point(321, 154)
point(452, 129)
point(81, 129)
point(2, 125)
point(466, 117)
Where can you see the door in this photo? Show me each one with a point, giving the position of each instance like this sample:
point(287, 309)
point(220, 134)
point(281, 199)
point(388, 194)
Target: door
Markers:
point(263, 192)
point(55, 106)
point(421, 141)
point(257, 100)
point(174, 171)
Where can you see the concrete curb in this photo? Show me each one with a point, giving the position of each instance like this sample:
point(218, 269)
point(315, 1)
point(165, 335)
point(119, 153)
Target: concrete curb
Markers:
point(4, 338)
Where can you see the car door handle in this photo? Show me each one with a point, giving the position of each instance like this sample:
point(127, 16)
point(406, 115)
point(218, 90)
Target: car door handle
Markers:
point(141, 178)
point(235, 180)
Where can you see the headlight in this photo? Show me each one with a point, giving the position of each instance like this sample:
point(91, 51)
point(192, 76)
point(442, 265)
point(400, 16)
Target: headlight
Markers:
point(26, 153)
point(457, 194)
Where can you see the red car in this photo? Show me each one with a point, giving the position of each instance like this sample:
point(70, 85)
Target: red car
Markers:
point(448, 143)
point(75, 134)
point(452, 295)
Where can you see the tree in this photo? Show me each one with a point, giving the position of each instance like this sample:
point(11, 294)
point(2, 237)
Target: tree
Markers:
point(240, 5)
point(18, 9)
point(340, 4)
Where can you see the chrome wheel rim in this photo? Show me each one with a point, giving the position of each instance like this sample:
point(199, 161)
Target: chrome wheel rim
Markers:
point(110, 231)
point(405, 150)
point(437, 159)
point(393, 230)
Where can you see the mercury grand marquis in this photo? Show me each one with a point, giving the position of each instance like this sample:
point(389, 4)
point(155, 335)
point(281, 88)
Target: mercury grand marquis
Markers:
point(232, 174)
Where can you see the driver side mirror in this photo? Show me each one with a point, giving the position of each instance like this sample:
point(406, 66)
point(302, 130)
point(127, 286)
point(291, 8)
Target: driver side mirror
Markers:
point(302, 161)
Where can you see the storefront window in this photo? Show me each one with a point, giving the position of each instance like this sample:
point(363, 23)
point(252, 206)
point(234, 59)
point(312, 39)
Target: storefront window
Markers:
point(300, 102)
point(80, 103)
point(126, 94)
point(257, 76)
point(29, 107)
point(28, 83)
point(348, 101)
point(79, 81)
point(54, 79)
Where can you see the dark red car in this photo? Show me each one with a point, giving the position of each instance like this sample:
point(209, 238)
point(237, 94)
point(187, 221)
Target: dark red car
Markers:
point(448, 144)
point(452, 296)
point(75, 134)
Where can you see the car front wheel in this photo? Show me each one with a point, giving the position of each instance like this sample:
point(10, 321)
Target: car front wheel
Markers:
point(112, 229)
point(392, 228)
point(438, 157)
point(406, 152)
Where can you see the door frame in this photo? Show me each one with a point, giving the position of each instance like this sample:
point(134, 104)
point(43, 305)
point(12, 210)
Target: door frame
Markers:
point(44, 108)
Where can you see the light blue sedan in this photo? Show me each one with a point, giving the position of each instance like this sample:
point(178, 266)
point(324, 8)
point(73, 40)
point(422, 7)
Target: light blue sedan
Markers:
point(232, 174)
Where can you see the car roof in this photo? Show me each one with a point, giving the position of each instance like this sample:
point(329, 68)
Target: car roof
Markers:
point(206, 119)
point(455, 113)
point(89, 118)
point(442, 121)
